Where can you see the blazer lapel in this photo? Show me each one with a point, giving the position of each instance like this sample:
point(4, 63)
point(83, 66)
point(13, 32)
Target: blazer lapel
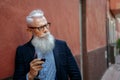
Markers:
point(57, 61)
point(31, 50)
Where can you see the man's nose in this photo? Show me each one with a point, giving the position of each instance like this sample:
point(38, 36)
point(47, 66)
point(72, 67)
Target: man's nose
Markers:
point(45, 29)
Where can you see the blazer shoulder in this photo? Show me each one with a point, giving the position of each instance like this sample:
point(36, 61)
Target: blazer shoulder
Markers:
point(28, 44)
point(24, 48)
point(60, 41)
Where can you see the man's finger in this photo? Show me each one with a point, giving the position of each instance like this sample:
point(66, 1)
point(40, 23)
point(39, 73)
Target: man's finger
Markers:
point(35, 60)
point(37, 68)
point(37, 63)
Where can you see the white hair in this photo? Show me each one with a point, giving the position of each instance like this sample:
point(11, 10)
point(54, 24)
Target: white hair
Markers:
point(34, 13)
point(44, 44)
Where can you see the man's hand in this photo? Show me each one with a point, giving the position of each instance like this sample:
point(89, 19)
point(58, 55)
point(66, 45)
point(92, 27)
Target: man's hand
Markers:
point(35, 66)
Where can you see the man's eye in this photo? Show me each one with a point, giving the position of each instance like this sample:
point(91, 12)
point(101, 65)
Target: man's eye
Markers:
point(39, 28)
point(44, 26)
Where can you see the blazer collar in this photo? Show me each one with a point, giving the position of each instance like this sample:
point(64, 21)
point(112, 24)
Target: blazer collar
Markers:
point(57, 60)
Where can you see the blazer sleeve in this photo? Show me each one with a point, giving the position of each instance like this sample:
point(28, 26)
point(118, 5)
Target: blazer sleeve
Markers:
point(19, 73)
point(73, 70)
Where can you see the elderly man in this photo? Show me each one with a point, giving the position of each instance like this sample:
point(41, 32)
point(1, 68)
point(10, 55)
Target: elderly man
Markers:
point(43, 57)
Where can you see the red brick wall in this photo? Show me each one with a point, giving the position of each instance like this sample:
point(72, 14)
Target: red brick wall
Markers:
point(96, 38)
point(96, 24)
point(63, 14)
point(115, 6)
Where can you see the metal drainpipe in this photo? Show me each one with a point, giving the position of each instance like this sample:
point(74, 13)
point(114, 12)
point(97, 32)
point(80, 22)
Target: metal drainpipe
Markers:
point(81, 57)
point(107, 35)
point(83, 44)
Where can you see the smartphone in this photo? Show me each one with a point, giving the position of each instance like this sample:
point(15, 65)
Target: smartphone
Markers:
point(43, 59)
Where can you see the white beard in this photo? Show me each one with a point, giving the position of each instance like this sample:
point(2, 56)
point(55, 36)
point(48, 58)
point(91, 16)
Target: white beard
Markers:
point(44, 44)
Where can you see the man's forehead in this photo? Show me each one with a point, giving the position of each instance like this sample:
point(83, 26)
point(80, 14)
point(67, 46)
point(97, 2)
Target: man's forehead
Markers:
point(39, 18)
point(38, 21)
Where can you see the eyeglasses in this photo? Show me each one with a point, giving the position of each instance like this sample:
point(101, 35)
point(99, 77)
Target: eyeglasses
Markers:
point(41, 27)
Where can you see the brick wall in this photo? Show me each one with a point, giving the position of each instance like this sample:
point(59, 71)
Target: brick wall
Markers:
point(63, 14)
point(96, 38)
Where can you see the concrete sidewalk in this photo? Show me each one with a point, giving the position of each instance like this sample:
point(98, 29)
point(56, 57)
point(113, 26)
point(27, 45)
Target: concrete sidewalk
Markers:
point(113, 72)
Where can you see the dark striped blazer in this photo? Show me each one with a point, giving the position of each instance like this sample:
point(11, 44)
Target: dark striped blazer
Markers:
point(66, 65)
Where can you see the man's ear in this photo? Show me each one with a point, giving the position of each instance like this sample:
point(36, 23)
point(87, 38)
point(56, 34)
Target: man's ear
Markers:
point(29, 30)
